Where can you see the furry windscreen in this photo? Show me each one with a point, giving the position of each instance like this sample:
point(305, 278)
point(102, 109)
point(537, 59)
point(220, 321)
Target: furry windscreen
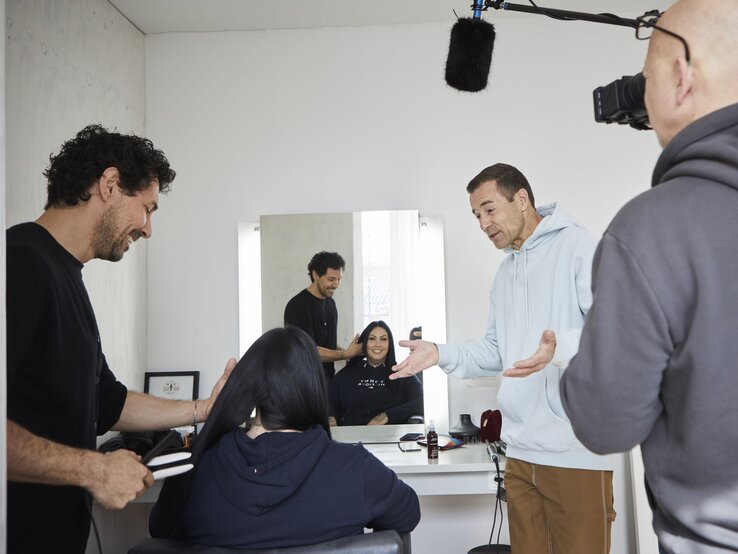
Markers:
point(470, 54)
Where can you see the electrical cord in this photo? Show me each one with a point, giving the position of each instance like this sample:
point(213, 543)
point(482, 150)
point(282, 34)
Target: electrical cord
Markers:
point(498, 506)
point(502, 513)
point(612, 16)
point(88, 505)
point(548, 14)
point(500, 497)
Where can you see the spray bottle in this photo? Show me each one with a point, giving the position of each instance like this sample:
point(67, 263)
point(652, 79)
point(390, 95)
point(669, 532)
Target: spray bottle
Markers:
point(432, 441)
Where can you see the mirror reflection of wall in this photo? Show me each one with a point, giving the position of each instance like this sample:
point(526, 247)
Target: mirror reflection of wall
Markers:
point(394, 272)
point(288, 242)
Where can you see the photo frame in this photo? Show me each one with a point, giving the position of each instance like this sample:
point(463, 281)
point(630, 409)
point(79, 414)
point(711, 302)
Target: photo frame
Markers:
point(173, 385)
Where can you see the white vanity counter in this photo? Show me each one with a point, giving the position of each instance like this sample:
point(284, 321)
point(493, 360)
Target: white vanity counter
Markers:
point(464, 470)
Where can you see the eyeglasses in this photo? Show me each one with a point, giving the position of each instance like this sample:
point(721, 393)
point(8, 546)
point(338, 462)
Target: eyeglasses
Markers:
point(645, 25)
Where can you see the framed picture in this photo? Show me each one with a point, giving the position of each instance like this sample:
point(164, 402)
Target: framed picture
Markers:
point(172, 385)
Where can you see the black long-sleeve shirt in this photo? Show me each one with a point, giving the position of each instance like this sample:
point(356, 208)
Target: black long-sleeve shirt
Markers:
point(59, 384)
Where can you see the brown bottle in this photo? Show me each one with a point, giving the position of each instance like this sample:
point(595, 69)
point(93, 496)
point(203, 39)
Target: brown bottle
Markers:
point(432, 441)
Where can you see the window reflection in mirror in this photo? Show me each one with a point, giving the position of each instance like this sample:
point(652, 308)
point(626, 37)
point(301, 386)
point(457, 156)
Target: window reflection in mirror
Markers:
point(394, 272)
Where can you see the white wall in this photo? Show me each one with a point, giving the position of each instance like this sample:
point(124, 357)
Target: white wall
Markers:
point(342, 119)
point(336, 120)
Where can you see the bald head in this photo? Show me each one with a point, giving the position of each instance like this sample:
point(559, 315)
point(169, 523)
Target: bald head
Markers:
point(708, 25)
point(678, 93)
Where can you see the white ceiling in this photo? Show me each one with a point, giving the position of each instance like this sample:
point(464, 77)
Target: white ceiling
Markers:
point(167, 16)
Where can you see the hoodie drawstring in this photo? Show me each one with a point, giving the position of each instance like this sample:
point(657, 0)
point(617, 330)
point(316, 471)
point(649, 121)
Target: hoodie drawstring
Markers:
point(516, 255)
point(525, 278)
point(515, 288)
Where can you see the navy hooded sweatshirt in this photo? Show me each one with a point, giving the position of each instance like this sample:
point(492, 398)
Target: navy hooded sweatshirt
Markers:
point(288, 489)
point(360, 391)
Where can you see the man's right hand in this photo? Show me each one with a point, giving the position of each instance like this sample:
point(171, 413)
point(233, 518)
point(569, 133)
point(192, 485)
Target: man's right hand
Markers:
point(354, 348)
point(423, 354)
point(118, 478)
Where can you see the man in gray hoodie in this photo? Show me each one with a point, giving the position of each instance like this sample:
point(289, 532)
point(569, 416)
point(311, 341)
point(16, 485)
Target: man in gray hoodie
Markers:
point(657, 357)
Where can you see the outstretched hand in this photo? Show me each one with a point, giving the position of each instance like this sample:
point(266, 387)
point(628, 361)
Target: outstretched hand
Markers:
point(539, 360)
point(423, 354)
point(210, 401)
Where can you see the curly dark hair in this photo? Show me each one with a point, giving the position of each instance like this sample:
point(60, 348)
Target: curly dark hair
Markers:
point(82, 160)
point(324, 260)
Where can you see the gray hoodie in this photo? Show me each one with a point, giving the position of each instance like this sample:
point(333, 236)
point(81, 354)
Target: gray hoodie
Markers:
point(658, 358)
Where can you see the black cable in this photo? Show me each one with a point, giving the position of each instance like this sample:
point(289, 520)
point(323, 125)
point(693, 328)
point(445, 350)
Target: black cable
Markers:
point(97, 535)
point(502, 520)
point(88, 505)
point(498, 504)
point(547, 14)
point(625, 22)
point(494, 521)
point(620, 20)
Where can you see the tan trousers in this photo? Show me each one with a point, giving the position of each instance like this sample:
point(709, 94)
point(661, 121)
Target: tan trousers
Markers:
point(555, 510)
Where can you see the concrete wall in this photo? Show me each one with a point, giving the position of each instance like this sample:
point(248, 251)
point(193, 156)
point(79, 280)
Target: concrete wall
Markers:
point(69, 64)
point(287, 244)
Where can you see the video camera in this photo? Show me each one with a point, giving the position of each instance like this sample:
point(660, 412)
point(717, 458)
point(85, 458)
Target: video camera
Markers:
point(622, 102)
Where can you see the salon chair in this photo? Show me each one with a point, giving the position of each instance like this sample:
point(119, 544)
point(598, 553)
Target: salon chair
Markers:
point(379, 542)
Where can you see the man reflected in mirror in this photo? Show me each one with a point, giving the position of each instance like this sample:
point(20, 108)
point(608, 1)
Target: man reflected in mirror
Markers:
point(314, 310)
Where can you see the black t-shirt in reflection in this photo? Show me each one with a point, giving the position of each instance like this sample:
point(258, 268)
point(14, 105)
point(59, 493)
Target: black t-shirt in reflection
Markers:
point(318, 318)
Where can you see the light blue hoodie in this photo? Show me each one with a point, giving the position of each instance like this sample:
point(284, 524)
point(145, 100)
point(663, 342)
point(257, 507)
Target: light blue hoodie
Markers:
point(544, 285)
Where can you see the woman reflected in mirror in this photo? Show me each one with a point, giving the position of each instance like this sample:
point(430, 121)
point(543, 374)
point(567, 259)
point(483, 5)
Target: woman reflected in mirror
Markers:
point(362, 393)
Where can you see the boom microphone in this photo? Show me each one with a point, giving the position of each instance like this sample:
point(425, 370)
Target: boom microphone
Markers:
point(470, 53)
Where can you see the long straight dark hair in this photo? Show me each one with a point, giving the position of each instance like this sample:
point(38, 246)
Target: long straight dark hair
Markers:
point(281, 375)
point(389, 361)
point(364, 340)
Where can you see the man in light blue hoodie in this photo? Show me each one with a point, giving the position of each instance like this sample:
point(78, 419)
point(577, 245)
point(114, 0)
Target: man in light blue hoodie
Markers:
point(559, 493)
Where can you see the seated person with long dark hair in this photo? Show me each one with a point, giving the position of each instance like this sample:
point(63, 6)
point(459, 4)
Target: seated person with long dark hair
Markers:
point(280, 480)
point(362, 392)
